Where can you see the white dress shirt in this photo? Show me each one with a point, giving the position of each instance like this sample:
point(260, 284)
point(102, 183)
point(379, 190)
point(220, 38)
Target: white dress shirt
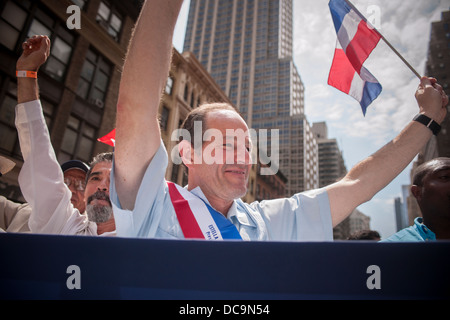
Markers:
point(42, 181)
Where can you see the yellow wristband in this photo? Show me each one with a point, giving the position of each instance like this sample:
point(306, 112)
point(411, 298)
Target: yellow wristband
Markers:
point(26, 74)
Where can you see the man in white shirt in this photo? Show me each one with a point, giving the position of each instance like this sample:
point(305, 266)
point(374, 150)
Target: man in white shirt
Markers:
point(141, 213)
point(41, 178)
point(14, 216)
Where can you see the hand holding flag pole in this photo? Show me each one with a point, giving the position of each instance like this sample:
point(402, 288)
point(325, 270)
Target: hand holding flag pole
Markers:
point(356, 39)
point(385, 40)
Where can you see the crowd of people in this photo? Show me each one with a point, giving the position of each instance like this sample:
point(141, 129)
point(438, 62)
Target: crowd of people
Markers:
point(125, 193)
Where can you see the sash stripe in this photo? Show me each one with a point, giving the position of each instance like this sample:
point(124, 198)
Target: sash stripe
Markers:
point(227, 229)
point(197, 219)
point(186, 218)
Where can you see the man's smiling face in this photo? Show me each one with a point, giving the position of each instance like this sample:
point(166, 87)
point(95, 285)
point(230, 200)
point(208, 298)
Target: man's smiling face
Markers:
point(226, 177)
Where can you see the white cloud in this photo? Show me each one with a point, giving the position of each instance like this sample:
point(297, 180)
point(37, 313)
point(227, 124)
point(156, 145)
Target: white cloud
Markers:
point(405, 24)
point(180, 27)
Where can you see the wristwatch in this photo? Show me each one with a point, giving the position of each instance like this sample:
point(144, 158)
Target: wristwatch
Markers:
point(428, 122)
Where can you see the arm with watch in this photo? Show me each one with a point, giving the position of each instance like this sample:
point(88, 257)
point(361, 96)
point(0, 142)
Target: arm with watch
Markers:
point(375, 172)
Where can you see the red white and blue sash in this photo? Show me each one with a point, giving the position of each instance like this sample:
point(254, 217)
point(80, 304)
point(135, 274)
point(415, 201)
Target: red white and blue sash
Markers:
point(198, 220)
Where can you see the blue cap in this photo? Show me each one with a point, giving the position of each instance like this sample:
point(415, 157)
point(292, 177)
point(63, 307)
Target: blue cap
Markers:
point(75, 164)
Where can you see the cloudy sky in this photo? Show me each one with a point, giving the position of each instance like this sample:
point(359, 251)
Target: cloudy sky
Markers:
point(406, 25)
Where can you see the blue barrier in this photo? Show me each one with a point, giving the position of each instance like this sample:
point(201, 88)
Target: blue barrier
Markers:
point(69, 267)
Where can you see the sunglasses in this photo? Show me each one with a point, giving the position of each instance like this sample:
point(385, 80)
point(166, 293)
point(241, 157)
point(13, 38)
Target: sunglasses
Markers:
point(79, 185)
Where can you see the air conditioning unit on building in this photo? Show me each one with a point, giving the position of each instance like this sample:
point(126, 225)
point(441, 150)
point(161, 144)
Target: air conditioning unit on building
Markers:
point(97, 102)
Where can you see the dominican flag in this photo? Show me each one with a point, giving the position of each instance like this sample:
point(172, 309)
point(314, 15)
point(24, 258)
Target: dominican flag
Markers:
point(355, 41)
point(109, 139)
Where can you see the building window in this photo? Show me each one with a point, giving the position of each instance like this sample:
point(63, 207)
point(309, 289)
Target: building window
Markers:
point(175, 171)
point(94, 79)
point(8, 138)
point(78, 141)
point(164, 118)
point(169, 85)
point(49, 110)
point(9, 142)
point(186, 93)
point(80, 3)
point(109, 19)
point(12, 21)
point(62, 43)
point(192, 100)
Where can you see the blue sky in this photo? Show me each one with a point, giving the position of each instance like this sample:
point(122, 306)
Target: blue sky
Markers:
point(406, 25)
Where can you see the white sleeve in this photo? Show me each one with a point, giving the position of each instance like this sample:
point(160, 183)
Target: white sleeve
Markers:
point(151, 200)
point(41, 179)
point(305, 216)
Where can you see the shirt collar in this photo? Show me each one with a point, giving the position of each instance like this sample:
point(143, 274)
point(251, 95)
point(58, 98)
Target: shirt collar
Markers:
point(199, 193)
point(232, 212)
point(423, 230)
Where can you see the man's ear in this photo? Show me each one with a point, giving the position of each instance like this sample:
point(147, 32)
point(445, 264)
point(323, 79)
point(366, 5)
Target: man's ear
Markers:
point(186, 152)
point(417, 192)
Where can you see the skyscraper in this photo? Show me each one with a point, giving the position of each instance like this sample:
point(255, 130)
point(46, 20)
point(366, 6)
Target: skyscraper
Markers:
point(246, 46)
point(331, 163)
point(437, 66)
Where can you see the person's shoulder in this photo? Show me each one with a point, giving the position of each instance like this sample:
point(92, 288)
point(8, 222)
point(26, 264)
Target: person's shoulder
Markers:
point(404, 235)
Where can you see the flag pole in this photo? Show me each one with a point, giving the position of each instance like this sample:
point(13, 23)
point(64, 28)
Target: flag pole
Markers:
point(384, 39)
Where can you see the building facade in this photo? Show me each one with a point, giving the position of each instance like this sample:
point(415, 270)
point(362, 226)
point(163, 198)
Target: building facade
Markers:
point(437, 66)
point(246, 46)
point(79, 82)
point(331, 162)
point(356, 221)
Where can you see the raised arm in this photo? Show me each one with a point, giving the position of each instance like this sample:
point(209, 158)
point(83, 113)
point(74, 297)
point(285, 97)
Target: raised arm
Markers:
point(377, 171)
point(144, 76)
point(35, 52)
point(41, 179)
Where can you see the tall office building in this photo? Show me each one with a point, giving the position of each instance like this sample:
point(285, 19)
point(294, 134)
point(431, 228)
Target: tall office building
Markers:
point(331, 169)
point(437, 66)
point(331, 162)
point(401, 209)
point(246, 46)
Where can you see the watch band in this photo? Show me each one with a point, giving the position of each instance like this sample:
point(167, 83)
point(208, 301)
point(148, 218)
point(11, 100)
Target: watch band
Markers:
point(428, 122)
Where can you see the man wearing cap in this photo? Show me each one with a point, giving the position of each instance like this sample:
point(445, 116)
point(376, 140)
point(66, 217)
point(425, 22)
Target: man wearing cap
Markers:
point(13, 216)
point(75, 178)
point(41, 178)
